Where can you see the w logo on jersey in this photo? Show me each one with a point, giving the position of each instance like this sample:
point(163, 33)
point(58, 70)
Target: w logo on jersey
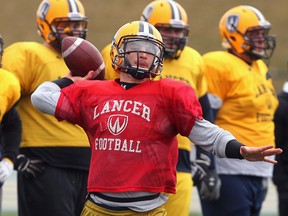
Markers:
point(117, 124)
point(232, 23)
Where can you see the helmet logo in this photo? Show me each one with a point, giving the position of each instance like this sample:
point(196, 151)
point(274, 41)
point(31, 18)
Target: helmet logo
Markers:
point(232, 23)
point(117, 123)
point(43, 10)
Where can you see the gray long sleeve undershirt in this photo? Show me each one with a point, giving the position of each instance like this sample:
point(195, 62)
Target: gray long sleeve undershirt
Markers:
point(205, 134)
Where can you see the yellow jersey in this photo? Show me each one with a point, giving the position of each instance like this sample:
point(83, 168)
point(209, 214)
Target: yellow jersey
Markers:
point(9, 91)
point(248, 96)
point(57, 143)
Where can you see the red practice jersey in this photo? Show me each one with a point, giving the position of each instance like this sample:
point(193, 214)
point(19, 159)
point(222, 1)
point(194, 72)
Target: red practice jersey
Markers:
point(132, 132)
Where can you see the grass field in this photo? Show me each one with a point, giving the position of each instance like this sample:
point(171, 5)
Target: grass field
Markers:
point(9, 214)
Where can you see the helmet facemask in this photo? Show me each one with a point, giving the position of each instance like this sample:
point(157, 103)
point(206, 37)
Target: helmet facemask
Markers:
point(62, 27)
point(141, 45)
point(260, 44)
point(174, 39)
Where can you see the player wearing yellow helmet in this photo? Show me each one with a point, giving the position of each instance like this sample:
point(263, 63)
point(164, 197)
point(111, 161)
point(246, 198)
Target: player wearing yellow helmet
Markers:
point(54, 157)
point(244, 100)
point(185, 64)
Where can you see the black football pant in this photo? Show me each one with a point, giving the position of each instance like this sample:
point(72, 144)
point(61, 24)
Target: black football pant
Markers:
point(56, 192)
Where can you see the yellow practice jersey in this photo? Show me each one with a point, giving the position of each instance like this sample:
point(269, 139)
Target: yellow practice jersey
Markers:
point(33, 63)
point(188, 68)
point(248, 96)
point(9, 91)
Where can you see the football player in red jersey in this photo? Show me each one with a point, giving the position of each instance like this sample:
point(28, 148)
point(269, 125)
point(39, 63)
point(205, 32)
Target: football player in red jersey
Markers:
point(132, 123)
point(244, 102)
point(181, 62)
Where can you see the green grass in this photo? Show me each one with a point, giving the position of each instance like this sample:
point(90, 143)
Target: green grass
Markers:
point(9, 214)
point(195, 214)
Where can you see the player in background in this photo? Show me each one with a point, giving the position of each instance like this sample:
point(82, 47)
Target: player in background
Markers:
point(280, 174)
point(10, 123)
point(183, 63)
point(132, 123)
point(244, 101)
point(54, 160)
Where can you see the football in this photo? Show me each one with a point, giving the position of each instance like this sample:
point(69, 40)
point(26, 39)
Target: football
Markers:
point(81, 56)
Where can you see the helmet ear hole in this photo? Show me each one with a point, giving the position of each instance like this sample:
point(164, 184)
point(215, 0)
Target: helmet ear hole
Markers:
point(233, 38)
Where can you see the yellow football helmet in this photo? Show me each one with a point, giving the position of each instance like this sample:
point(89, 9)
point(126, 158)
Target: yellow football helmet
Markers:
point(137, 37)
point(170, 15)
point(56, 18)
point(244, 29)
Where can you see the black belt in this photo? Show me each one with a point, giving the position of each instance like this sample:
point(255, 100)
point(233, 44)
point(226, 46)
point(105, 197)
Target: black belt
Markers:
point(125, 200)
point(108, 207)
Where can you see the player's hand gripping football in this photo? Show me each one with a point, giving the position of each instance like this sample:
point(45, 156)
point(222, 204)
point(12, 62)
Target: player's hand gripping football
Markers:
point(29, 167)
point(259, 153)
point(90, 76)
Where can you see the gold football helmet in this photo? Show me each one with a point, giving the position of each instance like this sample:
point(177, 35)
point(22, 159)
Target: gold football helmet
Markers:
point(169, 16)
point(244, 29)
point(137, 37)
point(57, 18)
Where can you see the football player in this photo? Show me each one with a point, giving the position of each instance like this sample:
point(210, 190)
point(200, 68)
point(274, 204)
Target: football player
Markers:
point(10, 123)
point(183, 63)
point(244, 101)
point(54, 157)
point(132, 123)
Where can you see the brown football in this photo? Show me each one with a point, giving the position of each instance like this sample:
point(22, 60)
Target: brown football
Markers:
point(81, 56)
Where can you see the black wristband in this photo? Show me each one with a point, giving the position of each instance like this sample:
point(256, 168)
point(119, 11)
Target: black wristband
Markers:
point(233, 149)
point(63, 82)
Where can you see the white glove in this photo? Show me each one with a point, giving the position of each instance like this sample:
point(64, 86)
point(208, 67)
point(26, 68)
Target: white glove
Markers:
point(6, 169)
